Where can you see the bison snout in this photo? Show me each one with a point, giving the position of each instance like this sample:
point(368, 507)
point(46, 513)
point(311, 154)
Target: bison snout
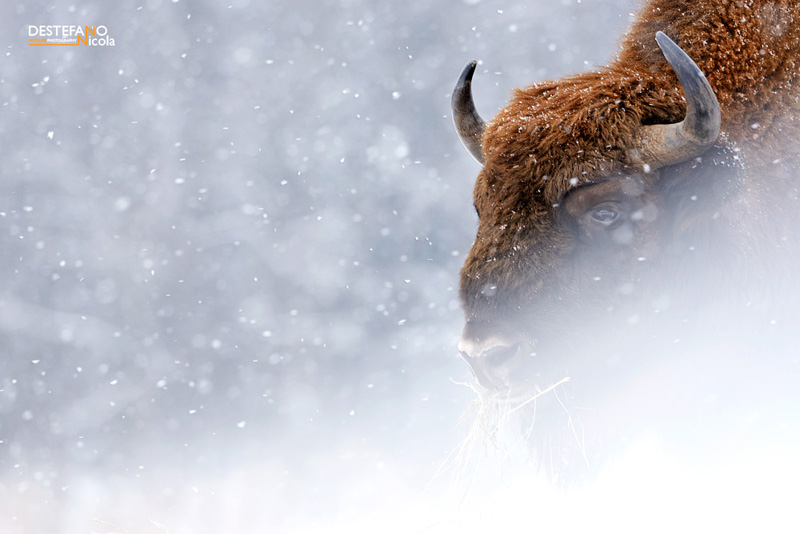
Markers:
point(491, 360)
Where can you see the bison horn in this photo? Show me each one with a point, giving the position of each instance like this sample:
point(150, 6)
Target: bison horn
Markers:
point(469, 124)
point(667, 144)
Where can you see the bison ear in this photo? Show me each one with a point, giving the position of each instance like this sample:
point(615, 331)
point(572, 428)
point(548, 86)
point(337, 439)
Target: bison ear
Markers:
point(469, 124)
point(667, 144)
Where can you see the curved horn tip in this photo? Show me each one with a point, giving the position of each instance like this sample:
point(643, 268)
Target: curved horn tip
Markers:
point(463, 87)
point(667, 144)
point(702, 105)
point(468, 122)
point(663, 40)
point(469, 70)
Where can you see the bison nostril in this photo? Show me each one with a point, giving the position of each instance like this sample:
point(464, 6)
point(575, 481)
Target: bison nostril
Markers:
point(489, 361)
point(500, 354)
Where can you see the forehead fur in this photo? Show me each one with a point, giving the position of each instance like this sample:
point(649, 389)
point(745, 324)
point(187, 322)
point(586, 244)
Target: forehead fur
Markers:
point(580, 127)
point(553, 136)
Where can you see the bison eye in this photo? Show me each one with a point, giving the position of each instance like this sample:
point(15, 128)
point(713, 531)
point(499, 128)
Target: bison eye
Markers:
point(605, 215)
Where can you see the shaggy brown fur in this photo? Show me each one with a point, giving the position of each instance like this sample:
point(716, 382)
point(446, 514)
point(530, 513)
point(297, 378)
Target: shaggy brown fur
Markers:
point(554, 137)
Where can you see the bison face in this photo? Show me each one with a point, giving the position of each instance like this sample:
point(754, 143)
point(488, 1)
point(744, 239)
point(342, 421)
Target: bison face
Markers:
point(570, 207)
point(532, 277)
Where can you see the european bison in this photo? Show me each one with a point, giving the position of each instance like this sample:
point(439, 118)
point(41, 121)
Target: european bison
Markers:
point(640, 220)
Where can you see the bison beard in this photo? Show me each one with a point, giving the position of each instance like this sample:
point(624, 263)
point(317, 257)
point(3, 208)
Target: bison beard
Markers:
point(635, 258)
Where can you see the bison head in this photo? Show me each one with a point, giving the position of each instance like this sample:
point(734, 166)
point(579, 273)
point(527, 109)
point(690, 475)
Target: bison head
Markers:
point(571, 204)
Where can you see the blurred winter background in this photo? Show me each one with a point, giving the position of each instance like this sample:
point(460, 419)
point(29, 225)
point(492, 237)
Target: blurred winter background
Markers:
point(230, 247)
